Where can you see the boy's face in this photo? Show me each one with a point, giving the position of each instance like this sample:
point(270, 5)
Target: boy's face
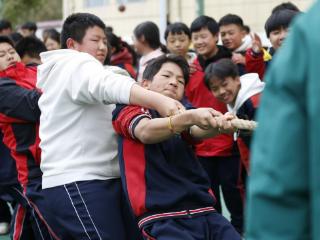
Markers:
point(94, 42)
point(6, 31)
point(231, 36)
point(225, 90)
point(169, 81)
point(178, 43)
point(205, 44)
point(8, 56)
point(276, 37)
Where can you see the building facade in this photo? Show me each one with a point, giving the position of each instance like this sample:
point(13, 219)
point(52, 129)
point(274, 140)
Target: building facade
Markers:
point(253, 12)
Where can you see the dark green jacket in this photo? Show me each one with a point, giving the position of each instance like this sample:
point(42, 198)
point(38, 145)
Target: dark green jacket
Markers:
point(284, 186)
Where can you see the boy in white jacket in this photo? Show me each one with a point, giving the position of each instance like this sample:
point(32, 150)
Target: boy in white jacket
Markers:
point(80, 168)
point(241, 94)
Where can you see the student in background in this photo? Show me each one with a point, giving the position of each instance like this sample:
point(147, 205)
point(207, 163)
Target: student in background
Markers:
point(122, 55)
point(286, 5)
point(15, 37)
point(241, 94)
point(146, 41)
point(217, 154)
point(28, 29)
point(233, 37)
point(19, 123)
point(29, 49)
point(178, 38)
point(5, 27)
point(276, 27)
point(51, 39)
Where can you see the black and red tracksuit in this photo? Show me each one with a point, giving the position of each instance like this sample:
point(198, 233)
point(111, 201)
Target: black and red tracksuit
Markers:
point(19, 124)
point(19, 119)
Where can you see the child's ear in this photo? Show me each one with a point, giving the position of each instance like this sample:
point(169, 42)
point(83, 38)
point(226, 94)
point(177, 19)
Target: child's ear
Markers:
point(145, 84)
point(71, 44)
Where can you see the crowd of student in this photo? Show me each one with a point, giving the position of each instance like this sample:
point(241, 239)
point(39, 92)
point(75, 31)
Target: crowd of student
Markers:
point(75, 166)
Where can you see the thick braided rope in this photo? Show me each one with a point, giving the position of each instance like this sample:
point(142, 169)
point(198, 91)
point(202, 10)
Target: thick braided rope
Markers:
point(244, 124)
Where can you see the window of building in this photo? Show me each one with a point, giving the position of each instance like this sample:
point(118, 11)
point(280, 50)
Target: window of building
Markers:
point(95, 3)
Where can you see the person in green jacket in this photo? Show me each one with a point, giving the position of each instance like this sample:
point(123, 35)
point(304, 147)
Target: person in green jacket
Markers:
point(283, 200)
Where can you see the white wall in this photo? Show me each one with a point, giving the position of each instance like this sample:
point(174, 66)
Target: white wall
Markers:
point(253, 12)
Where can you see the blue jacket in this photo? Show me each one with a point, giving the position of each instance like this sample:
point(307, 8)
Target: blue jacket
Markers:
point(160, 180)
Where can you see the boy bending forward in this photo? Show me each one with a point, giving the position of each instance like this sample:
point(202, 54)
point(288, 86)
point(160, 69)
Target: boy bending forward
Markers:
point(168, 190)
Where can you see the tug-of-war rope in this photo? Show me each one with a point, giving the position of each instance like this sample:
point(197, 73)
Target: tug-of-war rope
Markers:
point(244, 124)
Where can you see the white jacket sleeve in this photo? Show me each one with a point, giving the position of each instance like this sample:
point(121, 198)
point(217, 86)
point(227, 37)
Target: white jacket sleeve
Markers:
point(91, 83)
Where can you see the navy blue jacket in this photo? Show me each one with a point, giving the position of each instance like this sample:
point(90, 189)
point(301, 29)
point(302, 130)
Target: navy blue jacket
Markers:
point(19, 119)
point(161, 180)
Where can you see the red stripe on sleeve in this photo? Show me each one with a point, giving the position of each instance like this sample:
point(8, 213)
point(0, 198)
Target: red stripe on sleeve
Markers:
point(122, 124)
point(6, 119)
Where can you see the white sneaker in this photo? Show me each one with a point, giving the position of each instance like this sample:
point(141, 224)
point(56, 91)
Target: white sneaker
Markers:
point(4, 228)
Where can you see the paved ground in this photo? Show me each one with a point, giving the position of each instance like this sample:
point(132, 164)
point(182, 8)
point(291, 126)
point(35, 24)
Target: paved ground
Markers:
point(6, 237)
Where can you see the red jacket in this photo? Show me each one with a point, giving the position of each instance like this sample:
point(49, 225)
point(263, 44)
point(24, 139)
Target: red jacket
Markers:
point(124, 59)
point(200, 96)
point(255, 63)
point(19, 119)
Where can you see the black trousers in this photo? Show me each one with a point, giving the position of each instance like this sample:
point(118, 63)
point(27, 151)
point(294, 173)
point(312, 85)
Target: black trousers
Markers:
point(225, 172)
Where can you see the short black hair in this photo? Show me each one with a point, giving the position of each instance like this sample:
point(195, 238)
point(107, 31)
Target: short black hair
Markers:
point(30, 46)
point(6, 39)
point(150, 31)
point(15, 37)
point(155, 64)
point(5, 24)
point(51, 33)
point(204, 22)
point(231, 19)
point(114, 41)
point(286, 5)
point(32, 26)
point(119, 45)
point(177, 28)
point(76, 25)
point(278, 19)
point(220, 70)
point(109, 29)
point(246, 28)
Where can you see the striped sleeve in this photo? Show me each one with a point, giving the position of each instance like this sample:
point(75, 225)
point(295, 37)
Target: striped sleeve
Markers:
point(127, 118)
